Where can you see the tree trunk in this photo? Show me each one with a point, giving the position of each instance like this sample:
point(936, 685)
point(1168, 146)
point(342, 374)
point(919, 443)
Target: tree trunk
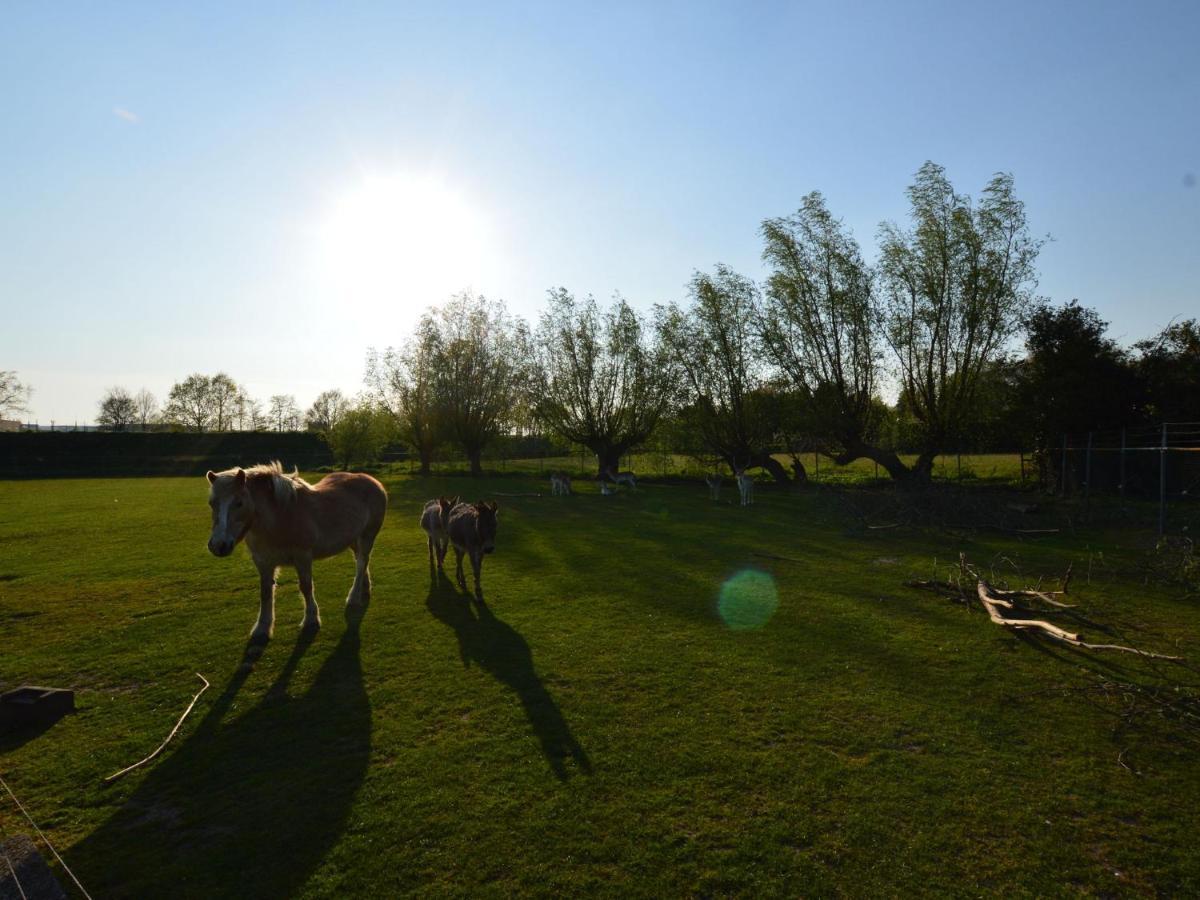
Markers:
point(608, 459)
point(772, 465)
point(426, 456)
point(473, 454)
point(898, 471)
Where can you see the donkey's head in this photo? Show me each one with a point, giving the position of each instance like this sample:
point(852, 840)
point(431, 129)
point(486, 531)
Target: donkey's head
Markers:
point(446, 504)
point(486, 510)
point(232, 510)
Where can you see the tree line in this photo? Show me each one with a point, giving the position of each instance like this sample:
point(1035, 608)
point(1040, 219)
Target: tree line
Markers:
point(744, 374)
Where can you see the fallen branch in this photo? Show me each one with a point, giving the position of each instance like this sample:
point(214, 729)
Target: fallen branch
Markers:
point(883, 527)
point(116, 775)
point(502, 494)
point(775, 556)
point(990, 603)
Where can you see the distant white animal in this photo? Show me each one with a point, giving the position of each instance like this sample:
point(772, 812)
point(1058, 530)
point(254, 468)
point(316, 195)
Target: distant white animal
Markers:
point(714, 486)
point(606, 489)
point(745, 486)
point(560, 483)
point(626, 478)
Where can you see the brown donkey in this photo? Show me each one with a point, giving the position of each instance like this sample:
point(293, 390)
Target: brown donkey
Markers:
point(435, 517)
point(288, 522)
point(472, 531)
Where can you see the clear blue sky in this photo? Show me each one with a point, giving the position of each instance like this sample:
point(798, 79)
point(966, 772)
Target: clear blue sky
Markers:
point(168, 172)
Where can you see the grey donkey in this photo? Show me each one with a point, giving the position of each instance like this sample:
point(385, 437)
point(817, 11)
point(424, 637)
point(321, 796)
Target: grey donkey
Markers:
point(472, 531)
point(435, 519)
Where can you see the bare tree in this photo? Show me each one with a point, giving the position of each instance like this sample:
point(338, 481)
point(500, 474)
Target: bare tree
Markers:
point(14, 395)
point(146, 407)
point(326, 410)
point(481, 370)
point(283, 413)
point(404, 382)
point(725, 393)
point(599, 380)
point(956, 286)
point(117, 409)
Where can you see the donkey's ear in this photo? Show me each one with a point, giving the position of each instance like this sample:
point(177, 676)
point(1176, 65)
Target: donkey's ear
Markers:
point(492, 505)
point(241, 477)
point(211, 476)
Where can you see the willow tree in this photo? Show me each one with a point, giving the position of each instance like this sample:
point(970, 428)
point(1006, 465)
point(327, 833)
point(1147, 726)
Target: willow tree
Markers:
point(481, 371)
point(817, 326)
point(725, 393)
point(955, 288)
point(599, 379)
point(402, 382)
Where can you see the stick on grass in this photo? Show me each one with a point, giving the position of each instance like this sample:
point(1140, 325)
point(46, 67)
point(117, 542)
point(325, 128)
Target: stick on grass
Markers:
point(142, 762)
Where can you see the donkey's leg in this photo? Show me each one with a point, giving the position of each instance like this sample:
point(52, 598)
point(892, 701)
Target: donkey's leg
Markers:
point(312, 615)
point(458, 569)
point(265, 625)
point(431, 547)
point(360, 591)
point(476, 564)
point(443, 546)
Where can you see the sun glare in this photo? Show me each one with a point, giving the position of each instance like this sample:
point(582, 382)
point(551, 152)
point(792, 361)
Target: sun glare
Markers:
point(403, 242)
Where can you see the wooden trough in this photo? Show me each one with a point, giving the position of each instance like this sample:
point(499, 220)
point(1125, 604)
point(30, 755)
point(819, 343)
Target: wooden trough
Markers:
point(30, 705)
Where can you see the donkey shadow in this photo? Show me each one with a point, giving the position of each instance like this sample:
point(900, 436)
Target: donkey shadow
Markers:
point(249, 807)
point(500, 650)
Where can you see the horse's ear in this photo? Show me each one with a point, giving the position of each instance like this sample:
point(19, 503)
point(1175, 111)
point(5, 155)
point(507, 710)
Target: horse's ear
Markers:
point(241, 477)
point(211, 476)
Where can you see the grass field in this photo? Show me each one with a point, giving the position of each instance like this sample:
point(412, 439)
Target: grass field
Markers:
point(611, 722)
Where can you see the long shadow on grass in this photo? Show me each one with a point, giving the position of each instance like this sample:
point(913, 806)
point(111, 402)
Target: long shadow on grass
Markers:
point(248, 808)
point(499, 649)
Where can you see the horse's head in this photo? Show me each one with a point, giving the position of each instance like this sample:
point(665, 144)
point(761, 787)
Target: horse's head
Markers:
point(486, 510)
point(232, 510)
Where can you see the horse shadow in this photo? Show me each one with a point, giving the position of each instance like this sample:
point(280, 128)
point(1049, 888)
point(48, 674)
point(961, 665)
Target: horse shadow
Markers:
point(248, 807)
point(497, 648)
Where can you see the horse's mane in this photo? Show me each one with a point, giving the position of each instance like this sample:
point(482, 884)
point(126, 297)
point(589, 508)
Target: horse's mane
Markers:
point(285, 484)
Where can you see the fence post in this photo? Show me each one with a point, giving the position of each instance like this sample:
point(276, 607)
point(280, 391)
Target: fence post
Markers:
point(1063, 478)
point(1087, 478)
point(1122, 484)
point(1162, 483)
point(1021, 454)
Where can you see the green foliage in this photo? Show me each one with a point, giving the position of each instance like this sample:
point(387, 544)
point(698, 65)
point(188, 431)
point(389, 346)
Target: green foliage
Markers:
point(360, 434)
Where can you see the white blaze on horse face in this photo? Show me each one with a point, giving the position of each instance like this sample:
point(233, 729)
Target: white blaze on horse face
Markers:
point(231, 511)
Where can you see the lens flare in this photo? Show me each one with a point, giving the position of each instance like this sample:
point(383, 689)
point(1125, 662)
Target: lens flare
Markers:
point(748, 600)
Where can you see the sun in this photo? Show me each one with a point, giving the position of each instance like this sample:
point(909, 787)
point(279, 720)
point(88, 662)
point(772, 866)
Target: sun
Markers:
point(403, 241)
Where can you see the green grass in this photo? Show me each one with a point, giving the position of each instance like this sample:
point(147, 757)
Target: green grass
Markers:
point(599, 728)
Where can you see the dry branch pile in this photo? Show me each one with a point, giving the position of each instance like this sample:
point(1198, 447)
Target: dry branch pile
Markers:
point(1004, 608)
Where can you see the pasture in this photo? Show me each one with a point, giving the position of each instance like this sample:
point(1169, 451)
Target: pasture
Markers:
point(606, 723)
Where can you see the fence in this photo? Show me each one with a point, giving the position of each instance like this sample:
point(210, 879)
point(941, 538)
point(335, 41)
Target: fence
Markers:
point(1158, 464)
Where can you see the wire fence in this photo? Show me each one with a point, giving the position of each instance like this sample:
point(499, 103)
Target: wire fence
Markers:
point(1158, 464)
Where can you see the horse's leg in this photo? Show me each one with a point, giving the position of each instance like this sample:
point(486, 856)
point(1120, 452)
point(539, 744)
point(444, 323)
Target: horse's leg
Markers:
point(476, 564)
point(312, 615)
point(360, 591)
point(265, 625)
point(458, 570)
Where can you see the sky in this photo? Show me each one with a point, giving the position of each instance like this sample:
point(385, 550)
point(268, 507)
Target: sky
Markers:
point(271, 189)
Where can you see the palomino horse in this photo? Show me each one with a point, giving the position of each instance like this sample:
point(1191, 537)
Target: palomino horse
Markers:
point(288, 522)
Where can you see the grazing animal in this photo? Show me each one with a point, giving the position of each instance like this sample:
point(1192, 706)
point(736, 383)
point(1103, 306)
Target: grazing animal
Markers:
point(472, 531)
point(286, 521)
point(606, 489)
point(626, 478)
point(435, 517)
point(745, 487)
point(560, 483)
point(714, 486)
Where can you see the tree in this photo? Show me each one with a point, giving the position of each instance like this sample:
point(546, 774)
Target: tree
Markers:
point(817, 325)
point(283, 413)
point(190, 403)
point(723, 396)
point(326, 410)
point(1168, 367)
point(145, 408)
point(480, 370)
point(599, 380)
point(224, 397)
point(403, 382)
point(14, 395)
point(360, 434)
point(117, 409)
point(956, 287)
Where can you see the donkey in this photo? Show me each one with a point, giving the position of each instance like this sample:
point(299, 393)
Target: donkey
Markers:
point(606, 489)
point(714, 485)
point(619, 478)
point(286, 521)
point(560, 483)
point(434, 519)
point(472, 531)
point(745, 486)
